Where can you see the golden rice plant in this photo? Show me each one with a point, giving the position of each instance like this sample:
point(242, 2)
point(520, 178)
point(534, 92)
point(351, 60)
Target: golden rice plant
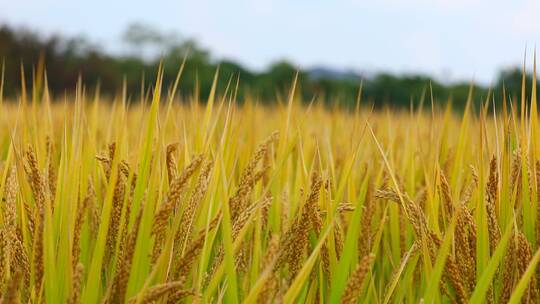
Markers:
point(175, 200)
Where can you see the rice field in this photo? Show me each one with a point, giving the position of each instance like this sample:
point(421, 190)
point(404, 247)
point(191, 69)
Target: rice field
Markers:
point(114, 200)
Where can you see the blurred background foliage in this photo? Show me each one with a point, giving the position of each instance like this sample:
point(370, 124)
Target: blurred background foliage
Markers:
point(67, 59)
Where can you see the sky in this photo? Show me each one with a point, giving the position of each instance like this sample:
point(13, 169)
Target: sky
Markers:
point(450, 40)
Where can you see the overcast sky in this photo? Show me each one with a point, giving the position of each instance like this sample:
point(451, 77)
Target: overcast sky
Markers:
point(452, 40)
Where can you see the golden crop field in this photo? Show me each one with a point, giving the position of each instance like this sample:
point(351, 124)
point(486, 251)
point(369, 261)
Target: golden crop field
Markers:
point(211, 201)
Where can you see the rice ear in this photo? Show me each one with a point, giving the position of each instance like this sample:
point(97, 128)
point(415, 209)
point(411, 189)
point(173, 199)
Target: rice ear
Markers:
point(356, 279)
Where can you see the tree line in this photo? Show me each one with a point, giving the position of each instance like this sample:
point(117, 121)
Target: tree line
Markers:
point(67, 59)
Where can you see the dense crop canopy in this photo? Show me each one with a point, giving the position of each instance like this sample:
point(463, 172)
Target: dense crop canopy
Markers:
point(110, 201)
